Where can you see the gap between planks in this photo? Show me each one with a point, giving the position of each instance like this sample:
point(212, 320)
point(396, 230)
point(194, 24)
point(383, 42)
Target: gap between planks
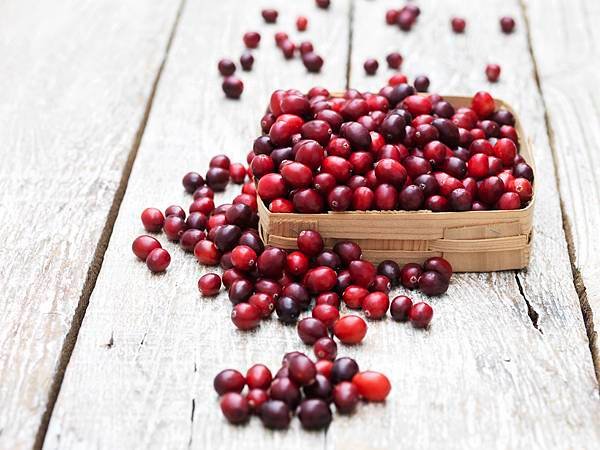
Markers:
point(586, 310)
point(96, 265)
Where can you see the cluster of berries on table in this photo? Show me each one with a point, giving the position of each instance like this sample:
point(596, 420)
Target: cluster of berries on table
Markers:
point(300, 387)
point(393, 150)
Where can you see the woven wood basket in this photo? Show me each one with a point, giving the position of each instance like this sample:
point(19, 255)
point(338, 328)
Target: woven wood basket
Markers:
point(472, 241)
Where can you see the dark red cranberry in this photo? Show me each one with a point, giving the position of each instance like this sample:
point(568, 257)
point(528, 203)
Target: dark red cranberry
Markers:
point(343, 281)
point(381, 284)
point(394, 60)
point(308, 201)
point(158, 260)
point(421, 83)
point(285, 361)
point(340, 198)
point(507, 24)
point(203, 191)
point(350, 329)
point(286, 390)
point(323, 4)
point(439, 265)
point(312, 62)
point(256, 397)
point(357, 135)
point(196, 221)
point(217, 178)
point(251, 39)
point(375, 305)
point(320, 388)
point(386, 197)
point(288, 49)
point(391, 16)
point(235, 407)
point(427, 183)
point(458, 24)
point(320, 279)
point(270, 15)
point(330, 259)
point(504, 117)
point(311, 329)
point(269, 287)
point(390, 269)
point(411, 198)
point(492, 72)
point(433, 283)
point(406, 19)
point(226, 67)
point(343, 370)
point(490, 190)
point(420, 315)
point(190, 238)
point(227, 236)
point(272, 262)
point(371, 65)
point(318, 130)
point(175, 210)
point(301, 369)
point(460, 200)
point(229, 380)
point(298, 293)
point(390, 171)
point(325, 348)
point(345, 397)
point(240, 291)
point(262, 145)
point(523, 170)
point(362, 199)
point(348, 251)
point(233, 87)
point(231, 275)
point(314, 414)
point(310, 242)
point(409, 275)
point(192, 181)
point(287, 310)
point(393, 128)
point(143, 245)
point(328, 298)
point(174, 227)
point(436, 203)
point(306, 47)
point(259, 377)
point(275, 414)
point(247, 61)
point(443, 109)
point(400, 308)
point(244, 315)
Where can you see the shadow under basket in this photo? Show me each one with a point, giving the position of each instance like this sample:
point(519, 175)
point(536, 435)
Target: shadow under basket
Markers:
point(472, 241)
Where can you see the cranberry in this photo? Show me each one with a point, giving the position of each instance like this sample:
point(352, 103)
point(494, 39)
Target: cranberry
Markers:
point(483, 104)
point(270, 15)
point(314, 414)
point(285, 361)
point(217, 178)
point(340, 168)
point(310, 242)
point(226, 237)
point(308, 201)
point(391, 16)
point(375, 305)
point(506, 150)
point(362, 272)
point(288, 49)
point(226, 67)
point(251, 39)
point(203, 191)
point(329, 259)
point(240, 291)
point(523, 188)
point(306, 47)
point(271, 186)
point(357, 135)
point(244, 315)
point(301, 23)
point(436, 203)
point(326, 314)
point(309, 152)
point(323, 4)
point(427, 183)
point(386, 197)
point(523, 170)
point(297, 263)
point(362, 199)
point(272, 262)
point(229, 380)
point(350, 329)
point(433, 283)
point(328, 298)
point(347, 251)
point(255, 398)
point(190, 238)
point(400, 308)
point(390, 269)
point(372, 386)
point(345, 397)
point(478, 166)
point(231, 275)
point(158, 260)
point(421, 83)
point(420, 315)
point(264, 303)
point(287, 310)
point(458, 24)
point(390, 171)
point(340, 198)
point(275, 414)
point(320, 279)
point(196, 221)
point(393, 128)
point(439, 265)
point(354, 295)
point(235, 407)
point(320, 388)
point(323, 367)
point(301, 369)
point(490, 190)
point(371, 65)
point(259, 377)
point(343, 369)
point(232, 87)
point(394, 60)
point(411, 198)
point(311, 329)
point(492, 72)
point(325, 348)
point(509, 200)
point(175, 210)
point(409, 275)
point(174, 227)
point(406, 19)
point(281, 205)
point(298, 293)
point(317, 130)
point(381, 284)
point(396, 79)
point(312, 62)
point(286, 390)
point(243, 258)
point(143, 245)
point(205, 205)
point(507, 24)
point(460, 200)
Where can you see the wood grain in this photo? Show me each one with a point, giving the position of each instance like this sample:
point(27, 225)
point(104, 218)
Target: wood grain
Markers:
point(565, 42)
point(506, 362)
point(149, 347)
point(76, 78)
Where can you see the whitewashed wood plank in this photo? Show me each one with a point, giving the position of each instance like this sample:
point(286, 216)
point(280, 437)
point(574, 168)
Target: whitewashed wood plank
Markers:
point(565, 43)
point(75, 80)
point(483, 376)
point(166, 342)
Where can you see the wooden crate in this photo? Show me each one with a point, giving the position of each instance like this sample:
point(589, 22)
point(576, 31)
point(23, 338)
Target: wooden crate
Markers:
point(473, 241)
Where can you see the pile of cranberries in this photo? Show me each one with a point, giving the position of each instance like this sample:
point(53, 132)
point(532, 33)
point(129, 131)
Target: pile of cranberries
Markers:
point(404, 17)
point(301, 387)
point(394, 150)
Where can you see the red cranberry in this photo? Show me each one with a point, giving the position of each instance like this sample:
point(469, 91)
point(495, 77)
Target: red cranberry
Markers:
point(158, 260)
point(324, 367)
point(309, 152)
point(271, 186)
point(507, 24)
point(329, 259)
point(259, 377)
point(298, 293)
point(318, 130)
point(264, 303)
point(235, 407)
point(400, 308)
point(478, 166)
point(421, 83)
point(190, 238)
point(483, 104)
point(362, 199)
point(240, 291)
point(523, 188)
point(310, 242)
point(196, 221)
point(509, 200)
point(362, 272)
point(490, 190)
point(301, 369)
point(312, 62)
point(207, 253)
point(310, 329)
point(436, 203)
point(323, 4)
point(301, 23)
point(390, 171)
point(245, 316)
point(143, 245)
point(286, 390)
point(439, 265)
point(458, 24)
point(391, 16)
point(347, 251)
point(345, 397)
point(325, 348)
point(326, 314)
point(340, 198)
point(275, 414)
point(229, 380)
point(272, 262)
point(357, 135)
point(492, 72)
point(406, 19)
point(420, 315)
point(175, 210)
point(226, 67)
point(203, 191)
point(350, 329)
point(288, 49)
point(251, 39)
point(297, 263)
point(270, 15)
point(281, 205)
point(375, 305)
point(381, 284)
point(340, 168)
point(409, 275)
point(231, 275)
point(243, 258)
point(371, 65)
point(460, 200)
point(314, 414)
point(328, 298)
point(394, 60)
point(397, 79)
point(320, 279)
point(174, 227)
point(354, 295)
point(308, 201)
point(506, 150)
point(433, 283)
point(306, 47)
point(372, 386)
point(256, 397)
point(386, 197)
point(269, 287)
point(343, 369)
point(205, 205)
point(287, 310)
point(232, 87)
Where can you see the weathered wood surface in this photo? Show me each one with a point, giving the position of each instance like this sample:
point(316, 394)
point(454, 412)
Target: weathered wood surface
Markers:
point(75, 77)
point(506, 363)
point(565, 41)
point(141, 373)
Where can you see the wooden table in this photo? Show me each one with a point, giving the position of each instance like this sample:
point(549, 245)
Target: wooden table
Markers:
point(104, 105)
